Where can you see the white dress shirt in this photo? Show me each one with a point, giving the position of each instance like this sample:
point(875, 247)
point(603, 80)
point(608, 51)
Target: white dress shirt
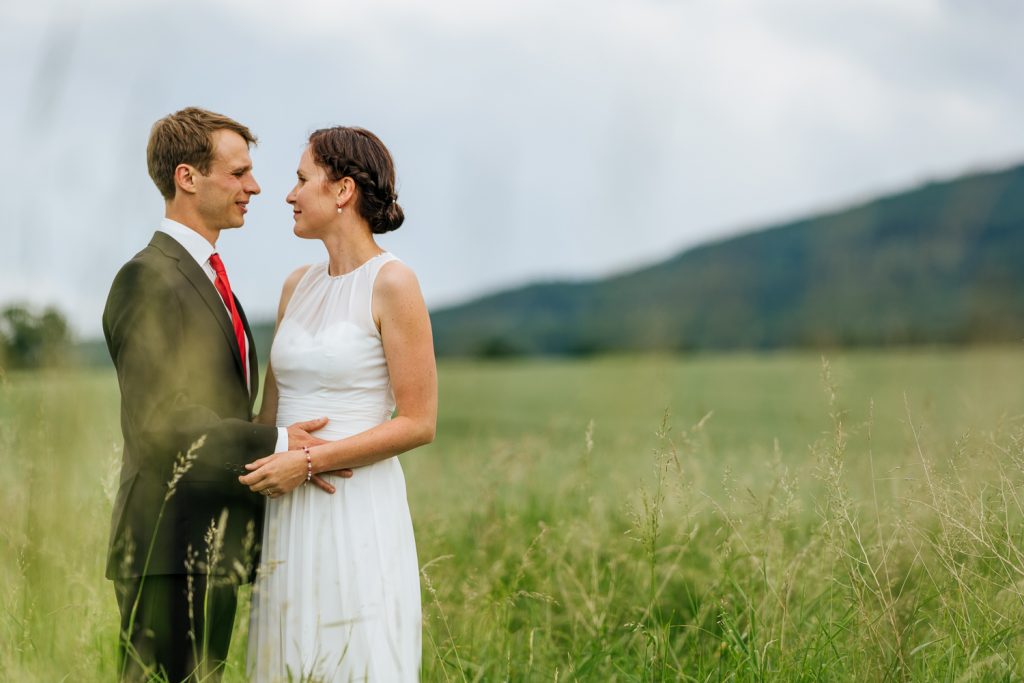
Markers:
point(201, 250)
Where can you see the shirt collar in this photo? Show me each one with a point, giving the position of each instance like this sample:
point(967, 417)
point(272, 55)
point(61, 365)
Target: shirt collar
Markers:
point(194, 243)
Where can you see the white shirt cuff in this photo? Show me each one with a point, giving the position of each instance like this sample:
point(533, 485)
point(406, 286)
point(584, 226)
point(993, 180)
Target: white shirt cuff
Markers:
point(282, 440)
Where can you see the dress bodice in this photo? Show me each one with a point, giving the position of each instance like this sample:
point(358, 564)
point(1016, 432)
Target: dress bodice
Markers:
point(327, 355)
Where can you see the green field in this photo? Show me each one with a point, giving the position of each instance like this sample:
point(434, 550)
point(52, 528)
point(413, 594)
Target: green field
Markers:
point(739, 517)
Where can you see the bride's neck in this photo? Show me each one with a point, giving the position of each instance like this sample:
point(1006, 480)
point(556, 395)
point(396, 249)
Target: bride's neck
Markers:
point(349, 249)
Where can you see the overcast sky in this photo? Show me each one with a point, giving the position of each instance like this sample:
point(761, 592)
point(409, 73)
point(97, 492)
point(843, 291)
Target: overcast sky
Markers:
point(534, 139)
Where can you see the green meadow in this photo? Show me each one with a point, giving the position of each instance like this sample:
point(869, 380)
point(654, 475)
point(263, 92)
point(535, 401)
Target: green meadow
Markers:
point(857, 516)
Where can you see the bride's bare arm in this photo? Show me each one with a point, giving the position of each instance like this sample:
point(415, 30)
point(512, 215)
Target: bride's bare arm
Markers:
point(401, 314)
point(268, 409)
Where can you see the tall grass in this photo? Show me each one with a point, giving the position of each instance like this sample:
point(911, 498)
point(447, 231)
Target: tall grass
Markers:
point(867, 529)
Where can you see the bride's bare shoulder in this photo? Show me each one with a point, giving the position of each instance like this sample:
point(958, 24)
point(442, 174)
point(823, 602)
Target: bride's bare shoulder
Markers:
point(288, 289)
point(396, 292)
point(292, 280)
point(395, 278)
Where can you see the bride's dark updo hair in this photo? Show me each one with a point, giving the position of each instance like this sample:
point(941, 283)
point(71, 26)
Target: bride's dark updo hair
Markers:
point(356, 153)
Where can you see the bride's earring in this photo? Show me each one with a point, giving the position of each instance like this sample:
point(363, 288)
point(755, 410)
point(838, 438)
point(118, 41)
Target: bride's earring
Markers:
point(340, 209)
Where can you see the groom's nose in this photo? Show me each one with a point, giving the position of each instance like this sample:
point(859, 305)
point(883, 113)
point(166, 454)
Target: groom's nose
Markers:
point(252, 187)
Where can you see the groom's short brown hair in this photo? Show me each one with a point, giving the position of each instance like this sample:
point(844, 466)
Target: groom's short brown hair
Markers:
point(186, 137)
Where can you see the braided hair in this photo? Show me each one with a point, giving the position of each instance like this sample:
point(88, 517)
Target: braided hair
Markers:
point(356, 153)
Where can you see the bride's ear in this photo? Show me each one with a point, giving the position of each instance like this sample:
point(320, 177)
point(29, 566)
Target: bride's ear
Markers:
point(345, 190)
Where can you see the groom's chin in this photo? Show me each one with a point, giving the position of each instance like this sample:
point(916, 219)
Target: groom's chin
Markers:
point(237, 220)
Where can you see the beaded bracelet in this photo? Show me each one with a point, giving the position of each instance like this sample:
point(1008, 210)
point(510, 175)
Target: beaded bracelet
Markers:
point(309, 464)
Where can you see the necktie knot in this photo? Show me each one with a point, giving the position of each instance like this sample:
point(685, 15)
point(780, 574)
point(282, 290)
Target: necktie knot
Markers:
point(217, 264)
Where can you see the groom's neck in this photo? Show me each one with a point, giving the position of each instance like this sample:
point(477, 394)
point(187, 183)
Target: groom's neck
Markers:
point(192, 221)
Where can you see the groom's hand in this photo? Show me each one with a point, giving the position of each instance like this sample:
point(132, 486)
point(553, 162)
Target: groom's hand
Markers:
point(325, 485)
point(299, 434)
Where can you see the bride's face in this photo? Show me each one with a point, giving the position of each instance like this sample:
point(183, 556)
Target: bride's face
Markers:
point(312, 199)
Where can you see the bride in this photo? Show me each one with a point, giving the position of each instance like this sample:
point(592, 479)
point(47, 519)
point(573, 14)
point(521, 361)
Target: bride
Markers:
point(337, 597)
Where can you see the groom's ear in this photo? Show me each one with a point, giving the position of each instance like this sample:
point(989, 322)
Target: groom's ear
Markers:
point(185, 178)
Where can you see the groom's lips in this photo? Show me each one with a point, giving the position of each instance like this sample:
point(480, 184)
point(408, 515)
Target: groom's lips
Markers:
point(242, 206)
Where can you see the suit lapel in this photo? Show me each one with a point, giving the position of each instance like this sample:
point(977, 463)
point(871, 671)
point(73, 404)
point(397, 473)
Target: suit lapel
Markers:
point(201, 282)
point(254, 368)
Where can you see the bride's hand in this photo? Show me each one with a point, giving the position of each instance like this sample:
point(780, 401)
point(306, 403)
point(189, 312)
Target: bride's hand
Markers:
point(281, 473)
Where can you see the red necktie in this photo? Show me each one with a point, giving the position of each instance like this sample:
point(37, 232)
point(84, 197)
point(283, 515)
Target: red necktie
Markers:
point(224, 287)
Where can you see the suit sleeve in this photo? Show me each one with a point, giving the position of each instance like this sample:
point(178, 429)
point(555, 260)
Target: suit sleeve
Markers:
point(143, 324)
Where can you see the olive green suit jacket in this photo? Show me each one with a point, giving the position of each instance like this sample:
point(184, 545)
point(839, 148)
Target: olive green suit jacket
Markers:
point(180, 374)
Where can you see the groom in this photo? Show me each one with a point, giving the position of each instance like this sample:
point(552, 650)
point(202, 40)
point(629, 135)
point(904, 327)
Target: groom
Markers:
point(181, 543)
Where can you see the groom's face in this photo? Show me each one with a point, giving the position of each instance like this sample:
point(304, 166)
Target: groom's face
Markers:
point(223, 193)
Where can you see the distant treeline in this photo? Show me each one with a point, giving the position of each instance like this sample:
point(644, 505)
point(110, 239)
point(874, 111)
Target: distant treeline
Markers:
point(30, 339)
point(941, 264)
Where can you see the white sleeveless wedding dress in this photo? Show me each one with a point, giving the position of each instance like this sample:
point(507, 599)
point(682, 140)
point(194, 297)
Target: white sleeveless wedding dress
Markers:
point(338, 596)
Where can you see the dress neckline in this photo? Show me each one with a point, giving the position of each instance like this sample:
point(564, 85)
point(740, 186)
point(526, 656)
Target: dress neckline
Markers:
point(327, 267)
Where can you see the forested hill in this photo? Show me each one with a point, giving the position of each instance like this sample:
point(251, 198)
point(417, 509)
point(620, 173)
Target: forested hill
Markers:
point(942, 264)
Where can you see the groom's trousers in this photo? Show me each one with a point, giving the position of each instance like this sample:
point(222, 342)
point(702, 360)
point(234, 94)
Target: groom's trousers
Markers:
point(174, 624)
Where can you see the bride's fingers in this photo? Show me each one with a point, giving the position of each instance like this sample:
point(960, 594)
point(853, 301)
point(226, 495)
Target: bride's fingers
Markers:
point(252, 478)
point(256, 464)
